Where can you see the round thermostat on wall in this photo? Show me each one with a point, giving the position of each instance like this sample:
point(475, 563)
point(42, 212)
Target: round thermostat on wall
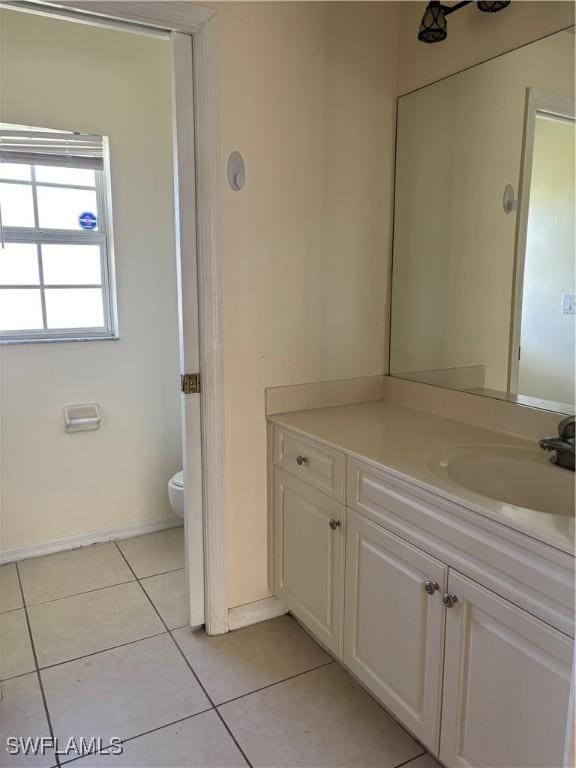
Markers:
point(236, 171)
point(508, 199)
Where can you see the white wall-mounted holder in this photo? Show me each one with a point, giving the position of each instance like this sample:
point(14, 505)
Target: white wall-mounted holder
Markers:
point(508, 199)
point(236, 171)
point(84, 417)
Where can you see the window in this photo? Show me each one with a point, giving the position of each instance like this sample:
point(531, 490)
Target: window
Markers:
point(55, 256)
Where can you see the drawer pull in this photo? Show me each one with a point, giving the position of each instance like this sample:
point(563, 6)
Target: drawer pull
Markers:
point(335, 524)
point(301, 460)
point(431, 586)
point(449, 600)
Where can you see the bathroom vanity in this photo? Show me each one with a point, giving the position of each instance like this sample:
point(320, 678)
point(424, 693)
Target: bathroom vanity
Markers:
point(396, 541)
point(433, 558)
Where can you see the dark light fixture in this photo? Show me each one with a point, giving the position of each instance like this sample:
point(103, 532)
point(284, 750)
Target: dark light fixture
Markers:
point(492, 6)
point(434, 27)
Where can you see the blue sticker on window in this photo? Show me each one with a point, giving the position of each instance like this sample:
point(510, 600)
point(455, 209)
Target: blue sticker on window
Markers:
point(88, 220)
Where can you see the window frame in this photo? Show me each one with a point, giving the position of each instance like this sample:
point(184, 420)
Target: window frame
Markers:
point(39, 237)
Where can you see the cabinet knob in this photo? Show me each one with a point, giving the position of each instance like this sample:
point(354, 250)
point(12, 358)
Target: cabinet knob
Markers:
point(449, 600)
point(335, 524)
point(301, 460)
point(431, 586)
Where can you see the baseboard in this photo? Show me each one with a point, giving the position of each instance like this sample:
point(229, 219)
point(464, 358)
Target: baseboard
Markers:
point(252, 613)
point(85, 539)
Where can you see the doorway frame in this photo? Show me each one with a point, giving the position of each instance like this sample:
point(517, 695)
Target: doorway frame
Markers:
point(537, 100)
point(194, 35)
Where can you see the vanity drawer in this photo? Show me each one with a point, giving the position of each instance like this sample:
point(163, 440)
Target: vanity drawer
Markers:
point(529, 573)
point(317, 464)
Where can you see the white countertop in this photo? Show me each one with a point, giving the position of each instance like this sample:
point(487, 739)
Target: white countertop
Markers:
point(402, 440)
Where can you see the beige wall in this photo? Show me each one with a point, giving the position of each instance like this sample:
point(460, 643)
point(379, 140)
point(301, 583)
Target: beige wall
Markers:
point(69, 76)
point(473, 37)
point(307, 96)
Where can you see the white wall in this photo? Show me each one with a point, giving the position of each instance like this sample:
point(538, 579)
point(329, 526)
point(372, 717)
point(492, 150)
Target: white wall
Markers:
point(546, 367)
point(69, 76)
point(307, 95)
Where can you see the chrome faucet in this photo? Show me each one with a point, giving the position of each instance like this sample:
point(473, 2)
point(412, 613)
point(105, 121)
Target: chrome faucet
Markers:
point(563, 444)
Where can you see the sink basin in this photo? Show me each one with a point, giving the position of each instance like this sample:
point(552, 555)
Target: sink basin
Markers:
point(520, 477)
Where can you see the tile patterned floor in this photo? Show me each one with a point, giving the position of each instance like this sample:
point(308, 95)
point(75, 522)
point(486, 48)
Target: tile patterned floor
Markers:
point(94, 644)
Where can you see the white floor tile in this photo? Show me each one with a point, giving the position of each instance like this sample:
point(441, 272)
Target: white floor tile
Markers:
point(10, 595)
point(123, 692)
point(322, 718)
point(22, 715)
point(199, 742)
point(169, 593)
point(79, 606)
point(16, 656)
point(155, 552)
point(73, 572)
point(75, 626)
point(250, 658)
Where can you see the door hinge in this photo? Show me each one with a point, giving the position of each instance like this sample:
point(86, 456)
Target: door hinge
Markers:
point(190, 383)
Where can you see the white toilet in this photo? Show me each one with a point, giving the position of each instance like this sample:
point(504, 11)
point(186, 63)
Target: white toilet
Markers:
point(176, 493)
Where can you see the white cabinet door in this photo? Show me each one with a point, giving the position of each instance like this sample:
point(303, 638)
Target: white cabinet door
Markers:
point(506, 684)
point(309, 556)
point(393, 637)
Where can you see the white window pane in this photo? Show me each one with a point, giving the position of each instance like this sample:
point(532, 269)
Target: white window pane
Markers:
point(17, 205)
point(20, 309)
point(19, 264)
point(74, 308)
point(60, 208)
point(16, 171)
point(69, 264)
point(56, 174)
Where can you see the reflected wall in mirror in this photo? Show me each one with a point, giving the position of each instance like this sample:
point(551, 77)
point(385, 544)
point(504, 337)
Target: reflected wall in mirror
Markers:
point(483, 293)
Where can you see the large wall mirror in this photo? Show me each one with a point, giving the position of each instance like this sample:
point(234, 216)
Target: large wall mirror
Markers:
point(483, 289)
